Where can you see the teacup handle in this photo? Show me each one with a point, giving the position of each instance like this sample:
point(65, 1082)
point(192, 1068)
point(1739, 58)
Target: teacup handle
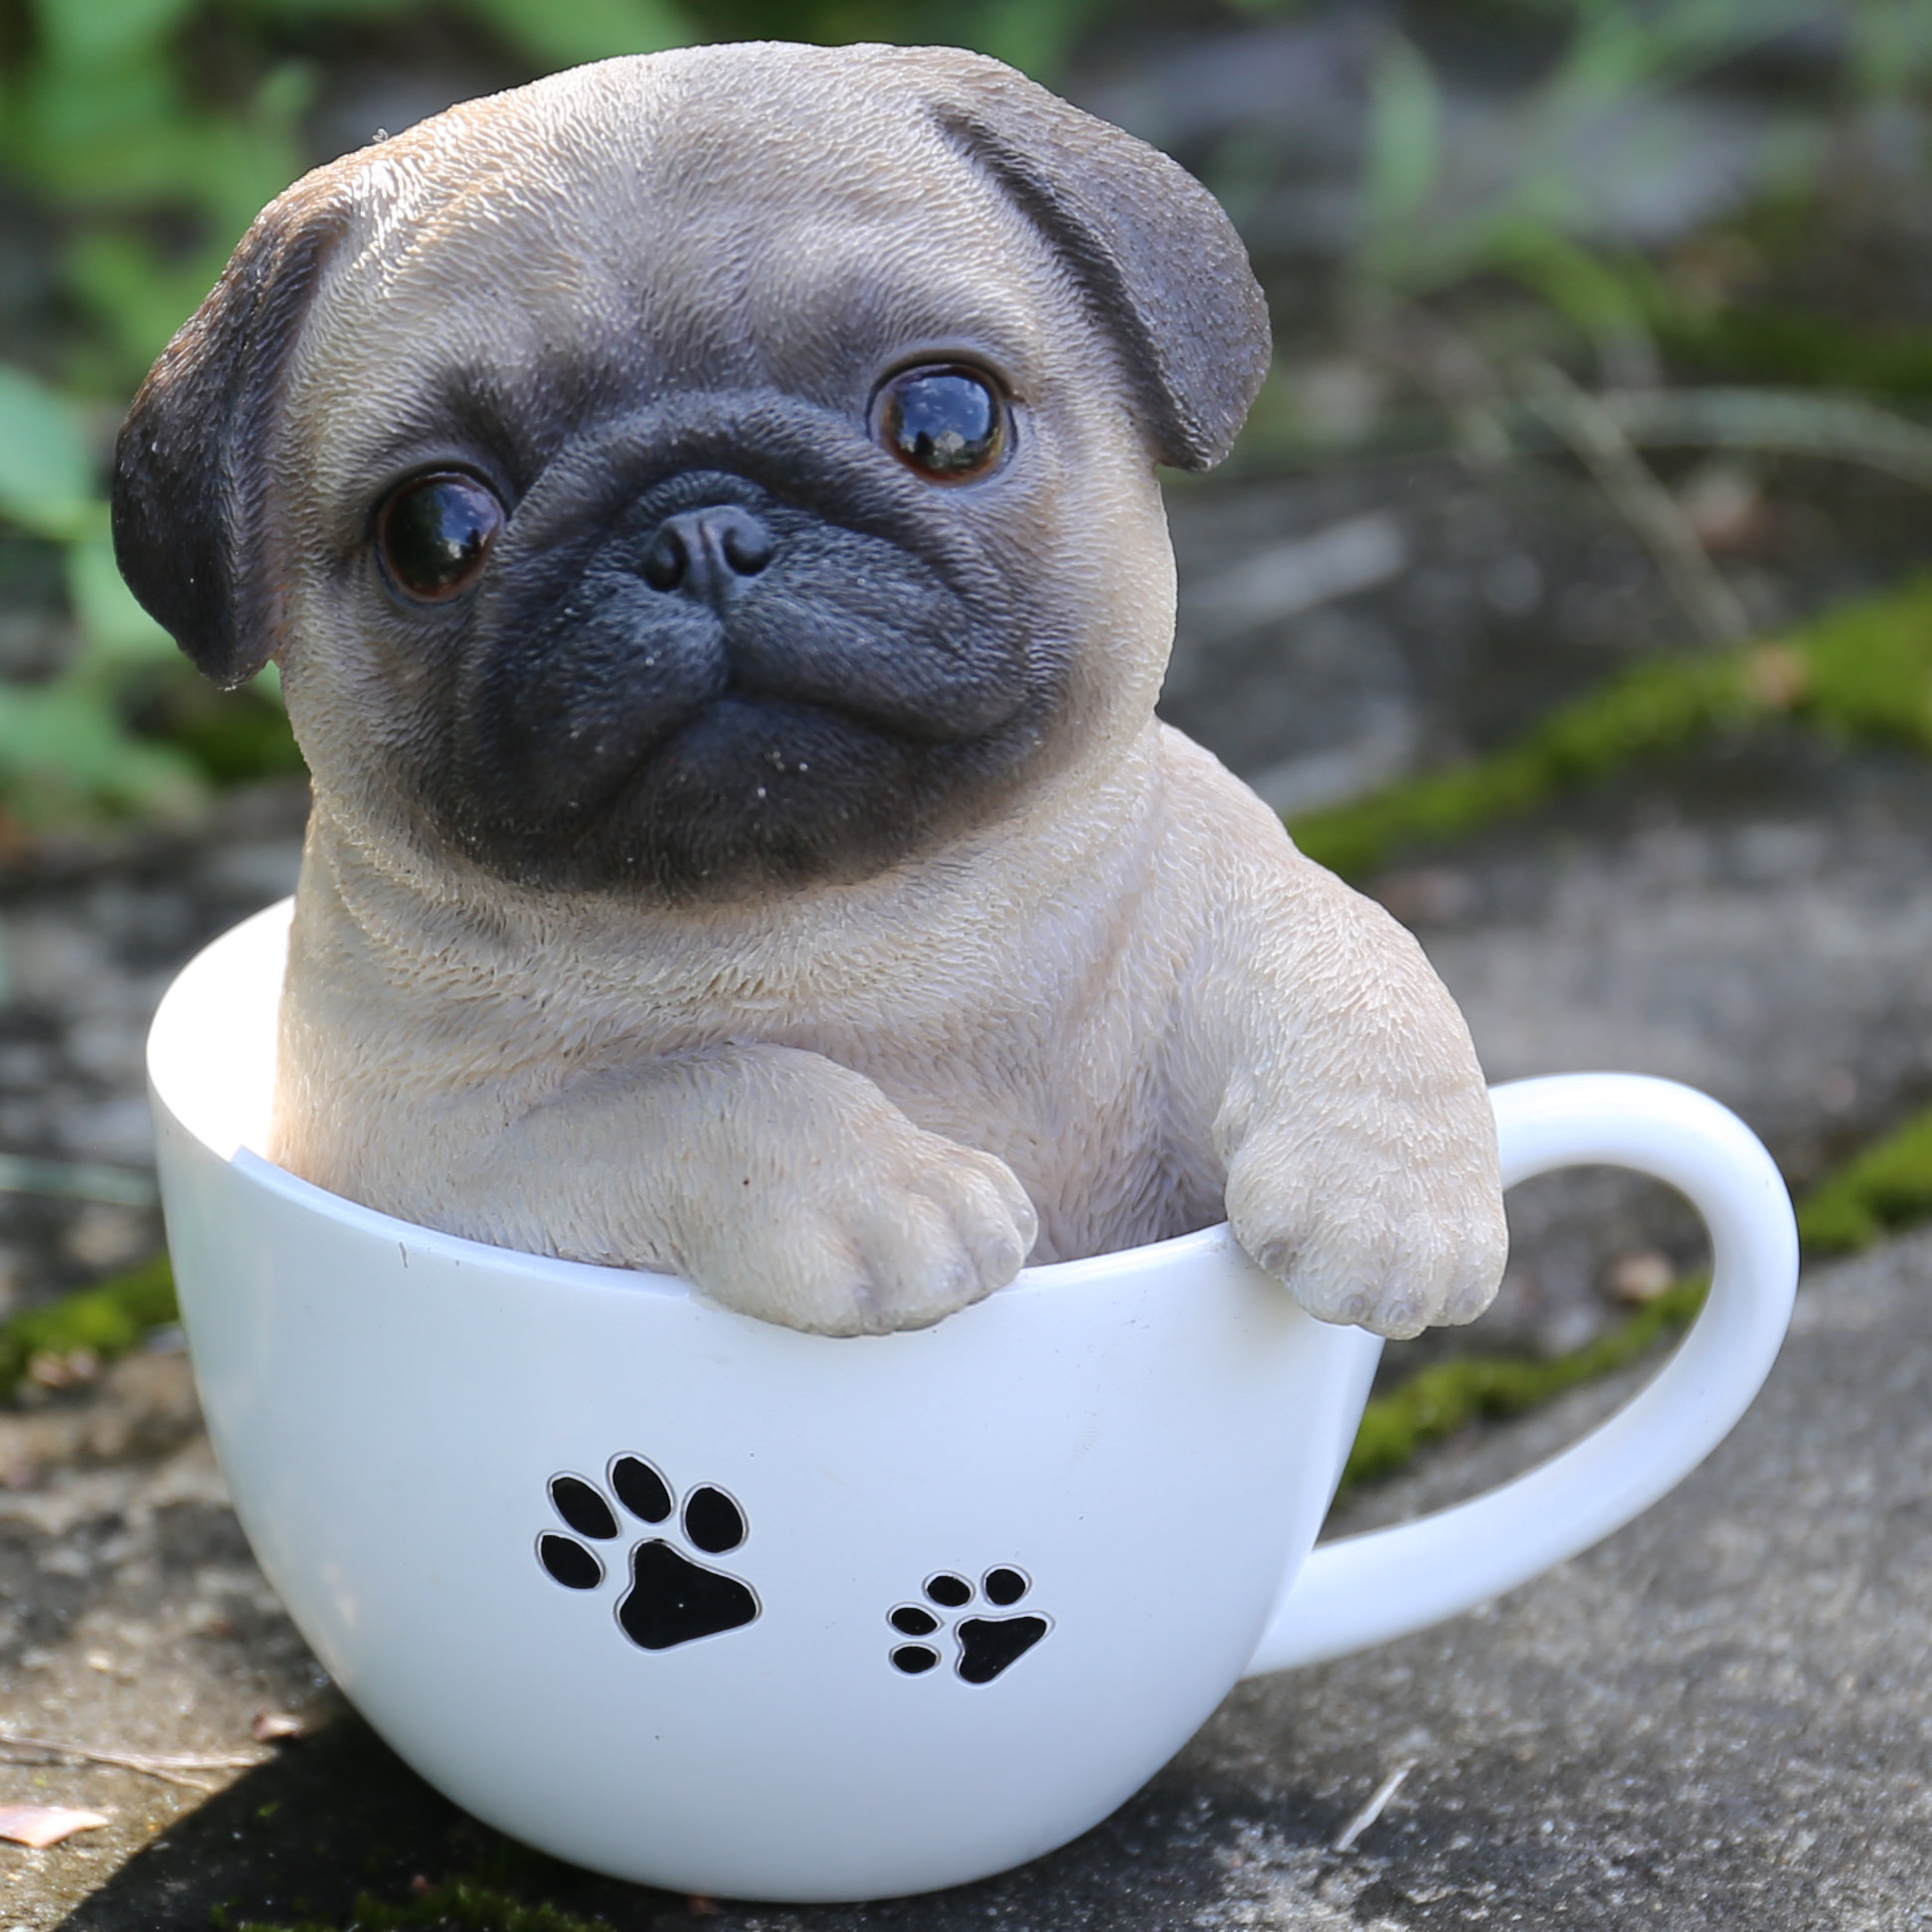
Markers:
point(1366, 1589)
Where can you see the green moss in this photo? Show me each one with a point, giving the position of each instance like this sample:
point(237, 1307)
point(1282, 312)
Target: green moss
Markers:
point(1886, 1188)
point(1864, 671)
point(1868, 668)
point(1654, 708)
point(1447, 1396)
point(104, 1321)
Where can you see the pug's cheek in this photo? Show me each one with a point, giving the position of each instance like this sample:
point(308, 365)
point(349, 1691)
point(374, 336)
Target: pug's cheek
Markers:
point(925, 671)
point(546, 738)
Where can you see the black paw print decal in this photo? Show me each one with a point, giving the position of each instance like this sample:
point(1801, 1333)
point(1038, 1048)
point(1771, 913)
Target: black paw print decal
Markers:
point(672, 1599)
point(987, 1645)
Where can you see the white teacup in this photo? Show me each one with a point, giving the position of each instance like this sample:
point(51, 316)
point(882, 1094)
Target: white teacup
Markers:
point(694, 1600)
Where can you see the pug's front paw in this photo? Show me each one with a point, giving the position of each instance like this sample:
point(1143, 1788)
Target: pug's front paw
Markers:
point(894, 1230)
point(1362, 1236)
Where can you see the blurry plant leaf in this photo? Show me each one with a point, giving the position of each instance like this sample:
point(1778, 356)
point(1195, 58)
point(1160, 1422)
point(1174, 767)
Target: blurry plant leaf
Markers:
point(1404, 153)
point(286, 94)
point(140, 299)
point(1780, 345)
point(1612, 48)
point(84, 32)
point(119, 138)
point(1611, 303)
point(1892, 47)
point(1416, 236)
point(117, 633)
point(305, 12)
point(565, 34)
point(96, 128)
point(45, 466)
point(64, 749)
point(234, 737)
point(1035, 36)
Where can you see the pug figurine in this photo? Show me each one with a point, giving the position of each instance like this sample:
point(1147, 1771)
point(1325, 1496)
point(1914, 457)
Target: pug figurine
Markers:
point(704, 510)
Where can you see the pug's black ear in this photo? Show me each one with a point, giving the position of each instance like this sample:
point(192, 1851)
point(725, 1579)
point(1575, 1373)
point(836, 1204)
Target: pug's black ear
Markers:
point(1159, 259)
point(191, 503)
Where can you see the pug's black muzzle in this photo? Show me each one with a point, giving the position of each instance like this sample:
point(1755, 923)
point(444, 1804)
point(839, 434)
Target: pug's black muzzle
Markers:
point(726, 645)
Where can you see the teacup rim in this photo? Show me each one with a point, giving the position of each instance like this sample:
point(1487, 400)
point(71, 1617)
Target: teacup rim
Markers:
point(414, 1238)
point(253, 1169)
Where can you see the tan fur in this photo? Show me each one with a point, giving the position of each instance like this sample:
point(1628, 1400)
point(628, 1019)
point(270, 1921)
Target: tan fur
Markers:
point(1085, 1022)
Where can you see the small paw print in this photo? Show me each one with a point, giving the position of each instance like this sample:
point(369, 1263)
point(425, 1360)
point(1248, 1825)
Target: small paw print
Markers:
point(987, 1645)
point(671, 1599)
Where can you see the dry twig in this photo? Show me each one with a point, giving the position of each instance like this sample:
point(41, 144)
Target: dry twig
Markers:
point(1604, 448)
point(1773, 421)
point(1378, 1800)
point(172, 1768)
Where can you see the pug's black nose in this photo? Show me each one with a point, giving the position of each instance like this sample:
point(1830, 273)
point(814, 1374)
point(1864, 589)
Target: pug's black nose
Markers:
point(706, 553)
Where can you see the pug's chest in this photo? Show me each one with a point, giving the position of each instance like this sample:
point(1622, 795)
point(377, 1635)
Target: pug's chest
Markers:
point(1110, 1153)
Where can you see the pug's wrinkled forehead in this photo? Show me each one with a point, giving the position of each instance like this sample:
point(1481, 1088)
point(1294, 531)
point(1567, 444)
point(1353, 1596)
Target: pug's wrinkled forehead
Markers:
point(590, 251)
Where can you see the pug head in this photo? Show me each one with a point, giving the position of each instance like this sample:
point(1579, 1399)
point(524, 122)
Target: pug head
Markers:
point(700, 473)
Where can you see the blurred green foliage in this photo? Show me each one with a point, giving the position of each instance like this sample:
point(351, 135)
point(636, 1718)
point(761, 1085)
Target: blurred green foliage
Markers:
point(1784, 347)
point(151, 132)
point(138, 137)
point(1423, 230)
point(64, 747)
point(1443, 239)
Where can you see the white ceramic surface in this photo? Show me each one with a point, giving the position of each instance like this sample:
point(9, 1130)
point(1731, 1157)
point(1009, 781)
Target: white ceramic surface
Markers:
point(1134, 1453)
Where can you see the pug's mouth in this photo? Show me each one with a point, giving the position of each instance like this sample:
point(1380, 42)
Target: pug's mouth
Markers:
point(733, 693)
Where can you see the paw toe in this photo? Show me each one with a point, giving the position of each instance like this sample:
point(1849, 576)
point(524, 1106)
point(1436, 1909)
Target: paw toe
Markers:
point(1394, 1274)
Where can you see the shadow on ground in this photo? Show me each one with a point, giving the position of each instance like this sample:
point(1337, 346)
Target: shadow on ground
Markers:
point(299, 1837)
point(340, 1817)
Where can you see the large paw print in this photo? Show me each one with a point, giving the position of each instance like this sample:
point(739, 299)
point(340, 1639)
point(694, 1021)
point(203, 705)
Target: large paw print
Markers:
point(987, 1645)
point(672, 1599)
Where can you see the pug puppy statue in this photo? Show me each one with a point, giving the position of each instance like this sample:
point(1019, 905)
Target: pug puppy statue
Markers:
point(703, 507)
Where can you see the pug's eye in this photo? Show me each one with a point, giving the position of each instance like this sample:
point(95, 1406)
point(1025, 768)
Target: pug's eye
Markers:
point(434, 535)
point(947, 424)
